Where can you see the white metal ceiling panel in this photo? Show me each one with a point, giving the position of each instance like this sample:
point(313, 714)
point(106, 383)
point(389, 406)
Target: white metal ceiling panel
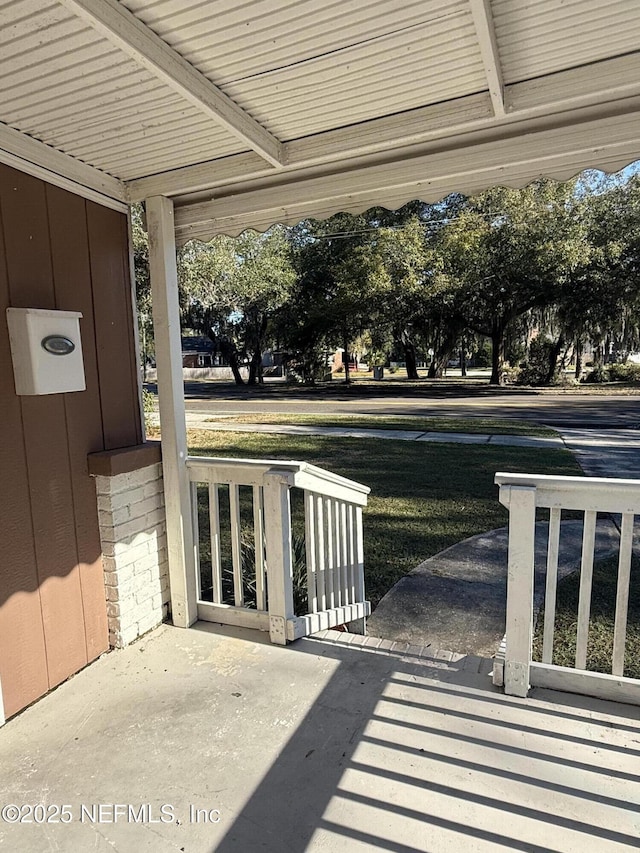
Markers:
point(82, 84)
point(65, 85)
point(422, 65)
point(541, 37)
point(229, 41)
point(306, 66)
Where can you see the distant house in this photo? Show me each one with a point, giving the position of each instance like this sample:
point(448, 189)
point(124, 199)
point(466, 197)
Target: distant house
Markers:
point(199, 351)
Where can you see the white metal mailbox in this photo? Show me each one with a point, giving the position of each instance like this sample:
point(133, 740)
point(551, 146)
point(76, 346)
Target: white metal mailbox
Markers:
point(46, 350)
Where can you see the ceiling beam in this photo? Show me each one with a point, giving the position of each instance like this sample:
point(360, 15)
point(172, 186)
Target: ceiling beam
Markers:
point(507, 159)
point(601, 87)
point(406, 128)
point(485, 30)
point(116, 23)
point(42, 161)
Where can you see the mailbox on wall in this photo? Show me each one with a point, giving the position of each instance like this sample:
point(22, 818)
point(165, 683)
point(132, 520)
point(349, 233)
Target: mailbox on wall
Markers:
point(46, 350)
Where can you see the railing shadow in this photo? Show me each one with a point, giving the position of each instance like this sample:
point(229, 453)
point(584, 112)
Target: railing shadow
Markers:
point(409, 753)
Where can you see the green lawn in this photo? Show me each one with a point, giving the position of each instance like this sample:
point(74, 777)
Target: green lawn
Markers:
point(498, 426)
point(603, 608)
point(424, 497)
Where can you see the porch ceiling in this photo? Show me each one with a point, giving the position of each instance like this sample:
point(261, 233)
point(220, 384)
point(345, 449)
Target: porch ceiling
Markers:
point(275, 110)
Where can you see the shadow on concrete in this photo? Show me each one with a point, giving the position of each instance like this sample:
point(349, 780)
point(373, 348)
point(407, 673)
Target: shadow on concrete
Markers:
point(418, 754)
point(318, 746)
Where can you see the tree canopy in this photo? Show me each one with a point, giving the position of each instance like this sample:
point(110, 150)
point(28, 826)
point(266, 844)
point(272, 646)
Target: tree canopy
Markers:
point(556, 261)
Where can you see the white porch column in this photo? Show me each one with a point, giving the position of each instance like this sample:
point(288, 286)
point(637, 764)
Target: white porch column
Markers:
point(166, 324)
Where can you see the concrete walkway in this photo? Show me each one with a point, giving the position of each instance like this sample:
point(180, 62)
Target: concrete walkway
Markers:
point(605, 453)
point(197, 421)
point(457, 599)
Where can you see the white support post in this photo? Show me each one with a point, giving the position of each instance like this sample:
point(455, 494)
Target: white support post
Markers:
point(519, 636)
point(359, 626)
point(277, 518)
point(177, 490)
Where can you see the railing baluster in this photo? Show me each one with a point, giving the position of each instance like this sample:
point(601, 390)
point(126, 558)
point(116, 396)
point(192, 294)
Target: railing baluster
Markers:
point(351, 554)
point(586, 578)
point(622, 596)
point(328, 545)
point(321, 558)
point(359, 553)
point(236, 545)
point(214, 529)
point(258, 539)
point(344, 554)
point(310, 549)
point(337, 551)
point(195, 524)
point(551, 584)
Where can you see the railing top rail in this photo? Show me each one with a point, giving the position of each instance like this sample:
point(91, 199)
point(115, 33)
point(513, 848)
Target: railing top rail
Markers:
point(603, 494)
point(250, 471)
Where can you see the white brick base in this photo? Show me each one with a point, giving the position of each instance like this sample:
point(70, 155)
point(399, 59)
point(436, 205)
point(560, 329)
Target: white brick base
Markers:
point(134, 547)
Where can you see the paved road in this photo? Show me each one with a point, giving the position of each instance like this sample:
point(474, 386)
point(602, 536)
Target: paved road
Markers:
point(577, 411)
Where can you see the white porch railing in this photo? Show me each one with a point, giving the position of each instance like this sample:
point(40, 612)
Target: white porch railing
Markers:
point(278, 545)
point(522, 495)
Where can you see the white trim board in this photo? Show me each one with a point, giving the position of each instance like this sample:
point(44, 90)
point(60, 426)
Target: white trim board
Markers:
point(42, 161)
point(558, 152)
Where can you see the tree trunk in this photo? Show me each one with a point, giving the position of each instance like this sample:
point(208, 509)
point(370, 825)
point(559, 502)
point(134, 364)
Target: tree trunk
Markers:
point(440, 358)
point(438, 364)
point(345, 361)
point(598, 355)
point(554, 354)
point(463, 362)
point(230, 353)
point(410, 360)
point(255, 365)
point(497, 353)
point(254, 368)
point(579, 367)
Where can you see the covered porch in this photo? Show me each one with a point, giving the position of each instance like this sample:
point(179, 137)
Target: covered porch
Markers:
point(217, 740)
point(328, 740)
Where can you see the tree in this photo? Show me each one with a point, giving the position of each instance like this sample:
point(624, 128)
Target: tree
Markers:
point(333, 295)
point(140, 246)
point(231, 291)
point(505, 253)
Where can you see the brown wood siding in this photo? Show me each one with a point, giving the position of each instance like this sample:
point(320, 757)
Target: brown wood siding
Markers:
point(59, 251)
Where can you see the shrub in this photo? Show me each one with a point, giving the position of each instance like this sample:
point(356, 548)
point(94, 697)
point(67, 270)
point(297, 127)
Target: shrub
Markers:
point(629, 372)
point(148, 404)
point(598, 374)
point(482, 356)
point(535, 370)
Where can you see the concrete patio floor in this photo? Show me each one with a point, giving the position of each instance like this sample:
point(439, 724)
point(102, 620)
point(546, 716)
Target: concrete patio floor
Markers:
point(325, 745)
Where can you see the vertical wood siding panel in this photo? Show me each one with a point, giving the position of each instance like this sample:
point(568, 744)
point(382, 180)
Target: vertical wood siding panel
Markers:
point(72, 281)
point(28, 255)
point(23, 663)
point(113, 325)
